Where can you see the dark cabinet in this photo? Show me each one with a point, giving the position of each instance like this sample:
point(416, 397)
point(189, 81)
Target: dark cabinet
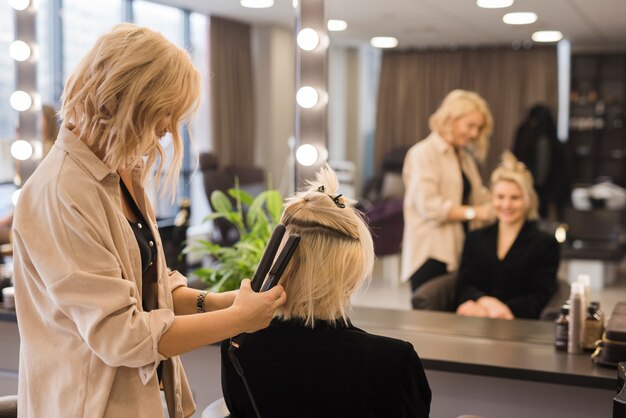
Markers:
point(597, 136)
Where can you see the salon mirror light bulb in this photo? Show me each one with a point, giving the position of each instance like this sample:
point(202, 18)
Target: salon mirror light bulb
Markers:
point(307, 155)
point(308, 39)
point(19, 4)
point(336, 25)
point(307, 97)
point(20, 100)
point(21, 150)
point(19, 51)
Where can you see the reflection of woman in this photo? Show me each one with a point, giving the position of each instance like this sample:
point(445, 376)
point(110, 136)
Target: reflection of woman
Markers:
point(101, 318)
point(312, 362)
point(508, 270)
point(444, 191)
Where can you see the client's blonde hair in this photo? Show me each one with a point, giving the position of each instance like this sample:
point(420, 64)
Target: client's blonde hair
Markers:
point(457, 104)
point(515, 171)
point(129, 82)
point(334, 257)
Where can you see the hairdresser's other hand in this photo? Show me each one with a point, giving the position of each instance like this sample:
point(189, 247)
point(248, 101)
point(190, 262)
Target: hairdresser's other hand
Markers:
point(471, 308)
point(484, 212)
point(256, 310)
point(495, 308)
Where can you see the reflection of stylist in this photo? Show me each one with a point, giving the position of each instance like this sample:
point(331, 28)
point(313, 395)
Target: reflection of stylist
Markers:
point(101, 318)
point(508, 270)
point(444, 191)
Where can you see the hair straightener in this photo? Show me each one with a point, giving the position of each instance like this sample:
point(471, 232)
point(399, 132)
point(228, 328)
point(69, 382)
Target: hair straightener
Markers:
point(265, 277)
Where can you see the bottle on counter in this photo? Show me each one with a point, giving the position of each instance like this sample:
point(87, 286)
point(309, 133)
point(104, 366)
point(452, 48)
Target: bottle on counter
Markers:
point(561, 330)
point(592, 330)
point(576, 318)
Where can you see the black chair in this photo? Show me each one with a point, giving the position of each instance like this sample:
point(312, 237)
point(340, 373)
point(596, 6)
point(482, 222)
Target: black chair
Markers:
point(8, 406)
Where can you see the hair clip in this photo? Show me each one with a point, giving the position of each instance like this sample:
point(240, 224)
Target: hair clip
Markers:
point(321, 189)
point(337, 201)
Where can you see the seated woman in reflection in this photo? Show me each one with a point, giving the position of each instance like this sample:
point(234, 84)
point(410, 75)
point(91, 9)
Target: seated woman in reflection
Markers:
point(508, 270)
point(311, 361)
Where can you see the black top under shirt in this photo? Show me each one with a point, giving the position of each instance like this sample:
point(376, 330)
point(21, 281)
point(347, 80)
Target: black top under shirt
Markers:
point(148, 251)
point(467, 191)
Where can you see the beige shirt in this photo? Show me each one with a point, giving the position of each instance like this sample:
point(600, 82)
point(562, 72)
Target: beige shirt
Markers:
point(434, 185)
point(87, 347)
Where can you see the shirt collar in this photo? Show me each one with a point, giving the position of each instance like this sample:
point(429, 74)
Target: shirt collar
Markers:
point(82, 154)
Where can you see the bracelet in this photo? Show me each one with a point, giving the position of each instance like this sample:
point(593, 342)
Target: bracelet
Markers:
point(200, 302)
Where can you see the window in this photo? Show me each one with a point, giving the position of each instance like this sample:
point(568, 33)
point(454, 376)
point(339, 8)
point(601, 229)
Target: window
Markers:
point(165, 19)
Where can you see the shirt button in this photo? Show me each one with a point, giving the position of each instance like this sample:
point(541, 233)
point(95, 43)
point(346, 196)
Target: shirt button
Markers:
point(151, 243)
point(139, 225)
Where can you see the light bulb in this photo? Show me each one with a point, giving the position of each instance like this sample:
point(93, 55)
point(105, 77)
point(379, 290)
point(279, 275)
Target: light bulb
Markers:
point(384, 42)
point(308, 39)
point(15, 196)
point(547, 36)
point(20, 100)
point(494, 4)
point(519, 18)
point(19, 4)
point(19, 51)
point(257, 4)
point(336, 25)
point(307, 97)
point(306, 155)
point(21, 150)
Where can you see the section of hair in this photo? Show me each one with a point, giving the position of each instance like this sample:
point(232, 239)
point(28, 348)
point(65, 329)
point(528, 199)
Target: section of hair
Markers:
point(335, 255)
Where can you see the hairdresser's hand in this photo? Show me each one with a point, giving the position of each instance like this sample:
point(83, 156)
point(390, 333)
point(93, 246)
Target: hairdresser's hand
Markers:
point(471, 308)
point(256, 310)
point(495, 308)
point(484, 212)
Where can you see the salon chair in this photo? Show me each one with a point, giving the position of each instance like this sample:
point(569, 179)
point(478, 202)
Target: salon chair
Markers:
point(217, 409)
point(8, 406)
point(438, 294)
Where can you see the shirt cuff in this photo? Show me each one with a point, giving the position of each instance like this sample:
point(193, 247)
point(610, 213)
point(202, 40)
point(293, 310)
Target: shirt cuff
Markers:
point(160, 321)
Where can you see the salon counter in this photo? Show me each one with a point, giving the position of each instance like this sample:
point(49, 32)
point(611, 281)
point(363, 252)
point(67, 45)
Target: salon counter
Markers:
point(475, 366)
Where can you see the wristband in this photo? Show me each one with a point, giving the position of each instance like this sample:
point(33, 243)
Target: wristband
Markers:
point(200, 302)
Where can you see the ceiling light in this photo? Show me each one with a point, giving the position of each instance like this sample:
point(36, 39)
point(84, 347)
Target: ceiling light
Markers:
point(519, 18)
point(20, 100)
point(19, 4)
point(336, 25)
point(494, 4)
point(308, 39)
point(307, 155)
point(21, 150)
point(19, 51)
point(547, 36)
point(256, 4)
point(307, 97)
point(384, 42)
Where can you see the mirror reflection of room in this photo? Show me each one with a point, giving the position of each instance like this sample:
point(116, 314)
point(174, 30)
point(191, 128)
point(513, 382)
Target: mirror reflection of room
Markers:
point(486, 154)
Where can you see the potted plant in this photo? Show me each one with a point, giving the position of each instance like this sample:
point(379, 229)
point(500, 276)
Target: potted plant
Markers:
point(231, 264)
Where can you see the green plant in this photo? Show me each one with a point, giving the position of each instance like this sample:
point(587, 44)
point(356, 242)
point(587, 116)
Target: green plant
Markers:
point(233, 264)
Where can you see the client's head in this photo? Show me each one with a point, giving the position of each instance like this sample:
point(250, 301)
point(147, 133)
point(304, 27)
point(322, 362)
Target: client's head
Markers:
point(334, 257)
point(512, 192)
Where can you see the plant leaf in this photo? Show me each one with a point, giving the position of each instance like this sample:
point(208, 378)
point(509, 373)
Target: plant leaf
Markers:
point(220, 202)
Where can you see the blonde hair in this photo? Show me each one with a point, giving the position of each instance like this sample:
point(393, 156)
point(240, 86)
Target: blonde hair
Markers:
point(515, 171)
point(457, 104)
point(334, 257)
point(129, 82)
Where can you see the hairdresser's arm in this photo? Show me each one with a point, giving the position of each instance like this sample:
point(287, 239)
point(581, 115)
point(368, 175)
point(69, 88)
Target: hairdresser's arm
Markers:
point(250, 312)
point(185, 300)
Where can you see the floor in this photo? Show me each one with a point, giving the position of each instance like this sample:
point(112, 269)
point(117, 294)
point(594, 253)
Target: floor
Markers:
point(384, 292)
